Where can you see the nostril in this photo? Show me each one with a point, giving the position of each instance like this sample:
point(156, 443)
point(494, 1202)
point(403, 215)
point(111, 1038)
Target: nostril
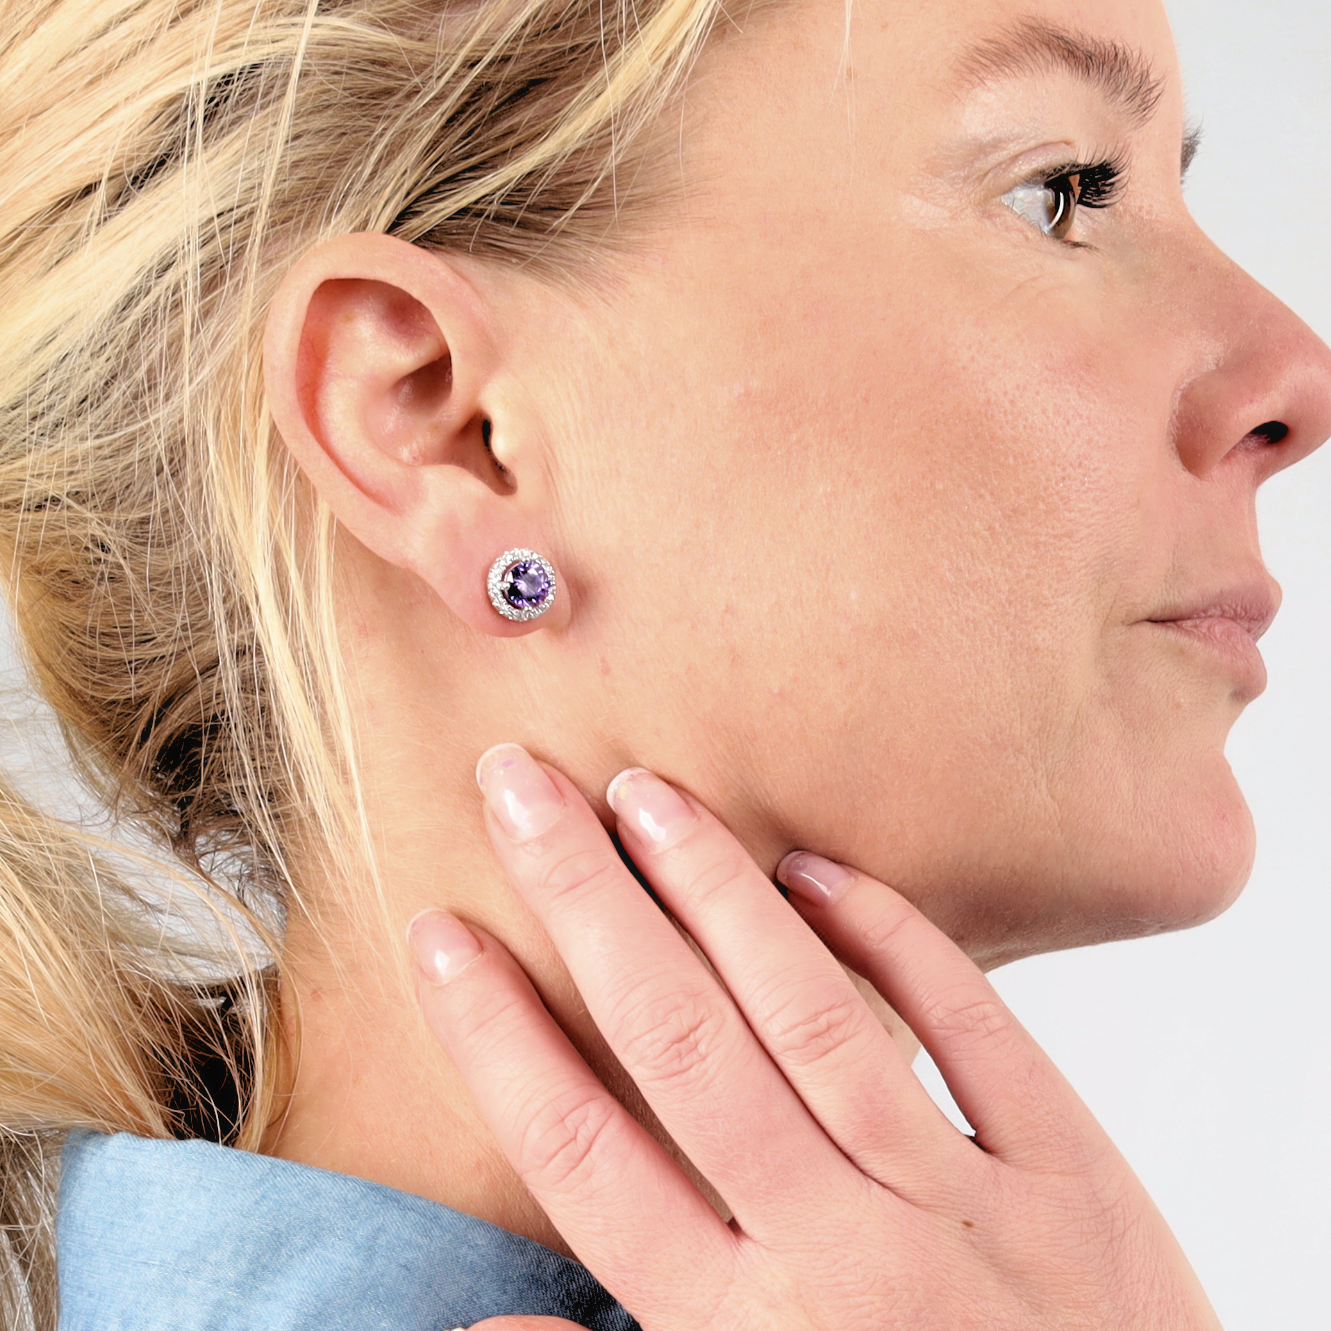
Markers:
point(1270, 433)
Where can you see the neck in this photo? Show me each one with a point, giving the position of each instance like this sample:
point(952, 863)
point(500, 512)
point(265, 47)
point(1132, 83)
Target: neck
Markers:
point(371, 1094)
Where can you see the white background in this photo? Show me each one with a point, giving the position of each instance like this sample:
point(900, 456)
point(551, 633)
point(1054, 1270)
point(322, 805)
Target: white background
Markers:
point(1205, 1054)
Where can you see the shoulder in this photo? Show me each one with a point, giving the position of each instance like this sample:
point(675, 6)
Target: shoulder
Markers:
point(191, 1236)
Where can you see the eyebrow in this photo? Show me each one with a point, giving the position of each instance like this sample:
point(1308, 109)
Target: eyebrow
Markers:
point(1122, 73)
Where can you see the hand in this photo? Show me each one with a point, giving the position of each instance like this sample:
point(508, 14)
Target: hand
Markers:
point(856, 1205)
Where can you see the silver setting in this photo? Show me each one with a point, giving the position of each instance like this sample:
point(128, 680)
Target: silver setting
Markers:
point(494, 584)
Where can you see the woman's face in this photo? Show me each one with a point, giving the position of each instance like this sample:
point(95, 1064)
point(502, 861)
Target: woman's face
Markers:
point(907, 505)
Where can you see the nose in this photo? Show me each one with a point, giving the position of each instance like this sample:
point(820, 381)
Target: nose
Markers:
point(1260, 393)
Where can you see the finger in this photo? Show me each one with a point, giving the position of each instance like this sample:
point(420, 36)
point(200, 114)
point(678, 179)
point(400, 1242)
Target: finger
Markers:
point(1022, 1108)
point(666, 1018)
point(609, 1188)
point(523, 1323)
point(799, 1002)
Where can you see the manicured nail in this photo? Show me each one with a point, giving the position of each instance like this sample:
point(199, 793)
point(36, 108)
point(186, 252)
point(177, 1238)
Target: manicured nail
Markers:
point(814, 878)
point(515, 786)
point(653, 809)
point(442, 944)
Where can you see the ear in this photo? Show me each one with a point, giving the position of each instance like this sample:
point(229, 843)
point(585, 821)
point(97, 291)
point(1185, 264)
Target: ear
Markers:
point(384, 382)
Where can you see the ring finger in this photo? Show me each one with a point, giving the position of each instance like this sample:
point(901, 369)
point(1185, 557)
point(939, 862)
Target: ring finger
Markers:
point(794, 994)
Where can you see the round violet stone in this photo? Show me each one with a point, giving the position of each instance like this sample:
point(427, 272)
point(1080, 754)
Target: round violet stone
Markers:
point(526, 585)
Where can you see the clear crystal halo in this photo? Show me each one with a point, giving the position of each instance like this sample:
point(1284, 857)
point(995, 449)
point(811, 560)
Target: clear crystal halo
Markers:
point(522, 585)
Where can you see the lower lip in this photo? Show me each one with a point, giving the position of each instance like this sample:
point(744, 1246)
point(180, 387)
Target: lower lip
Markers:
point(1228, 640)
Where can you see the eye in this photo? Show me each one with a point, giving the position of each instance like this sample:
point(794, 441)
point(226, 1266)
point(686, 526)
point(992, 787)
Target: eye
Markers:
point(1051, 202)
point(1049, 205)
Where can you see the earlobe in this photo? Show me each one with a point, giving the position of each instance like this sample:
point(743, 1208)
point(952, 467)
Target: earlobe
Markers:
point(382, 375)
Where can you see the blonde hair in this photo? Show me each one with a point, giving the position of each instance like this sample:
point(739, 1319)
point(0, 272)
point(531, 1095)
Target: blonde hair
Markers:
point(164, 163)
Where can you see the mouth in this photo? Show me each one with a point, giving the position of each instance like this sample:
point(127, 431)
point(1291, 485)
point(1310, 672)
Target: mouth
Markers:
point(1227, 624)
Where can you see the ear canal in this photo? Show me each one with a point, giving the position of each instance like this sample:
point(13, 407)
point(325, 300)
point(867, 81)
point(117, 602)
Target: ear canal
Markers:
point(502, 473)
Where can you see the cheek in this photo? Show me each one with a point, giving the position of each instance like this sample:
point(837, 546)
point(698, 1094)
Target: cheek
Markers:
point(890, 563)
point(997, 484)
point(1063, 531)
point(1005, 510)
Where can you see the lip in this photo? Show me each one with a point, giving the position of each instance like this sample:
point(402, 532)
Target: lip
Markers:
point(1227, 622)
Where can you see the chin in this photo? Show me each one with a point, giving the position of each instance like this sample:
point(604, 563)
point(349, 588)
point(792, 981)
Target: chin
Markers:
point(1181, 863)
point(1197, 854)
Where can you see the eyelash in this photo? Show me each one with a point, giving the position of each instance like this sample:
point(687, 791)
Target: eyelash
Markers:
point(1100, 183)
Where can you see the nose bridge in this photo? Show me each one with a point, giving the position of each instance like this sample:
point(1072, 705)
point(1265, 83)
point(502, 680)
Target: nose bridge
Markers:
point(1260, 374)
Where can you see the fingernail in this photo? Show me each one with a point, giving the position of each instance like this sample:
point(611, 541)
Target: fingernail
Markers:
point(442, 944)
point(815, 879)
point(515, 786)
point(650, 807)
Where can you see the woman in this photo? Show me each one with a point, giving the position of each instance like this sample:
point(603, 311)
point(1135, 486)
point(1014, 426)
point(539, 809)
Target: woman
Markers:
point(891, 437)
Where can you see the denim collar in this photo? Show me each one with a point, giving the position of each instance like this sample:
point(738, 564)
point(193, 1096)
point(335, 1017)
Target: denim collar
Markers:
point(190, 1236)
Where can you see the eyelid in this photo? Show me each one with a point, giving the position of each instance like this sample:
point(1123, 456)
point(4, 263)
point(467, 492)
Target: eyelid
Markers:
point(1049, 160)
point(1105, 173)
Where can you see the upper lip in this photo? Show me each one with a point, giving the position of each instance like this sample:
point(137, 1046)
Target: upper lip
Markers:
point(1252, 604)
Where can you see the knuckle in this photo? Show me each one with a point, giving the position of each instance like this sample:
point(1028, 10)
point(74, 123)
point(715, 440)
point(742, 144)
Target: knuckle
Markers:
point(521, 1322)
point(484, 1018)
point(882, 932)
point(975, 1017)
point(722, 869)
point(672, 1036)
point(582, 870)
point(807, 1028)
point(563, 1140)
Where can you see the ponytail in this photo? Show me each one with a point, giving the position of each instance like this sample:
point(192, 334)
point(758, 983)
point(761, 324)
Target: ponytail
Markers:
point(162, 165)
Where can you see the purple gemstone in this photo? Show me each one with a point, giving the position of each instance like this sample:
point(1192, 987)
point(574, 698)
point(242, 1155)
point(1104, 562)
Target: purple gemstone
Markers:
point(526, 585)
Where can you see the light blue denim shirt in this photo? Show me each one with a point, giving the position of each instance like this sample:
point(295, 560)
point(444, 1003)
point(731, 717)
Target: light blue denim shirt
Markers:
point(189, 1236)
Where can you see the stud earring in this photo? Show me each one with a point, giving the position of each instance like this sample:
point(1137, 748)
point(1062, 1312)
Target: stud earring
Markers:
point(521, 584)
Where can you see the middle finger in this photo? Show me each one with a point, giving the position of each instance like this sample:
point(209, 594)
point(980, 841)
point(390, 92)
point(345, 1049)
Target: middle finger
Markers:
point(667, 1020)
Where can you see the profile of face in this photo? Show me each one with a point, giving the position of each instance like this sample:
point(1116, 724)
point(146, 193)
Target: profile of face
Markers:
point(900, 470)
